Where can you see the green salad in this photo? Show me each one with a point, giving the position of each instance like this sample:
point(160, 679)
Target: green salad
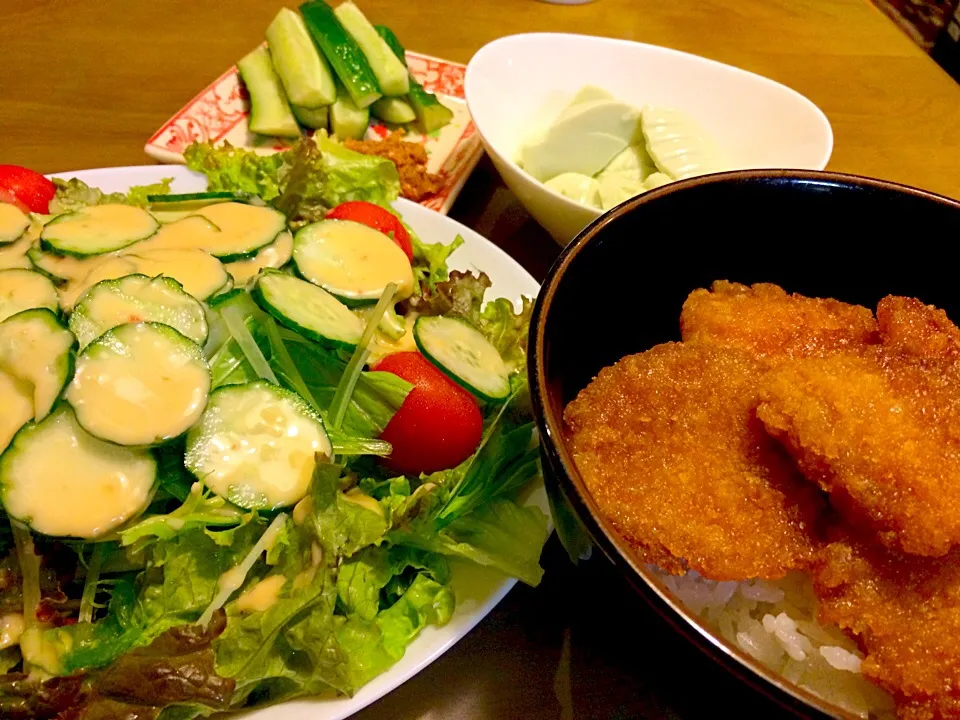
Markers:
point(244, 434)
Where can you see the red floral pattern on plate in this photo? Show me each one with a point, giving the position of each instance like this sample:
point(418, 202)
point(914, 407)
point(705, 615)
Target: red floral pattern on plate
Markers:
point(221, 110)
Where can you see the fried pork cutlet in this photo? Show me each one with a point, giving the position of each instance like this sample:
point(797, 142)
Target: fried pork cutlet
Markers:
point(880, 430)
point(767, 321)
point(667, 444)
point(906, 613)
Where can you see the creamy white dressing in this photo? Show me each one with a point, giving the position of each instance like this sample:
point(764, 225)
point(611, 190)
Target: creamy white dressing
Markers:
point(13, 222)
point(16, 407)
point(262, 596)
point(24, 289)
point(354, 261)
point(381, 345)
point(275, 255)
point(358, 497)
point(73, 484)
point(112, 225)
point(138, 385)
point(262, 450)
point(67, 267)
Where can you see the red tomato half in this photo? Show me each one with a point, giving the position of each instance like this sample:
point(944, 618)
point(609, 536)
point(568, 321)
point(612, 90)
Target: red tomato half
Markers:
point(30, 190)
point(439, 424)
point(376, 217)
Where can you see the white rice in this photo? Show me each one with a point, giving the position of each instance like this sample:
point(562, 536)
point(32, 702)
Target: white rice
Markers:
point(775, 622)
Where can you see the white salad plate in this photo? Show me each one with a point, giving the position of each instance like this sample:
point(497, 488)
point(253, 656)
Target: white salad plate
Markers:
point(517, 85)
point(477, 589)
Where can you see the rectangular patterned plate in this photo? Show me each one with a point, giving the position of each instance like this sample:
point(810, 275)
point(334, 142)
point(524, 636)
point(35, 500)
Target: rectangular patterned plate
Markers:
point(219, 113)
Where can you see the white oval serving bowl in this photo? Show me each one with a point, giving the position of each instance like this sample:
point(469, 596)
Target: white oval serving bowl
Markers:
point(517, 85)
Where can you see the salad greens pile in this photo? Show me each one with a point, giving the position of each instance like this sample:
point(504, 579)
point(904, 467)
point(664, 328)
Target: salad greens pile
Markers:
point(200, 606)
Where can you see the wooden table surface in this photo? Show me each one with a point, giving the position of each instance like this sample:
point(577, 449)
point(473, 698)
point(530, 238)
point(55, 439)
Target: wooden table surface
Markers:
point(84, 84)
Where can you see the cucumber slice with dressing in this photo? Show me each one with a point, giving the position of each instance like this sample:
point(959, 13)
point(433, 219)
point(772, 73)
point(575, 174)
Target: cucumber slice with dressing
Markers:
point(393, 110)
point(191, 202)
point(229, 231)
point(275, 255)
point(14, 255)
point(352, 261)
point(16, 400)
point(303, 70)
point(13, 223)
point(346, 119)
point(200, 274)
point(139, 384)
point(24, 289)
point(464, 354)
point(431, 113)
point(63, 268)
point(269, 110)
point(63, 482)
point(307, 309)
point(257, 445)
point(342, 51)
point(37, 350)
point(313, 118)
point(391, 74)
point(137, 298)
point(97, 230)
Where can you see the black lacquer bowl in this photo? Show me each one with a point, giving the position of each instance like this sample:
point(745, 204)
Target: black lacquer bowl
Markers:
point(618, 288)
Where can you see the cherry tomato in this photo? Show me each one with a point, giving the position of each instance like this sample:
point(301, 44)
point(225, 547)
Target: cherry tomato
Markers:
point(439, 424)
point(28, 189)
point(376, 217)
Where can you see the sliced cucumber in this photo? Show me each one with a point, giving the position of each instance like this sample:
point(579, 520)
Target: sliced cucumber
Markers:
point(269, 110)
point(257, 445)
point(313, 118)
point(346, 119)
point(462, 352)
point(391, 73)
point(97, 230)
point(244, 229)
point(275, 255)
point(352, 261)
point(137, 298)
point(14, 255)
point(341, 50)
point(24, 289)
point(191, 202)
point(13, 223)
point(61, 481)
point(431, 113)
point(229, 231)
point(63, 268)
point(393, 110)
point(200, 274)
point(16, 400)
point(308, 309)
point(139, 384)
point(36, 349)
point(303, 70)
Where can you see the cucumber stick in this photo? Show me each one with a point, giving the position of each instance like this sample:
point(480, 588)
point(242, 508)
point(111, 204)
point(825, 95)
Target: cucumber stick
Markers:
point(342, 51)
point(431, 113)
point(393, 110)
point(304, 72)
point(313, 118)
point(270, 112)
point(346, 119)
point(390, 71)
